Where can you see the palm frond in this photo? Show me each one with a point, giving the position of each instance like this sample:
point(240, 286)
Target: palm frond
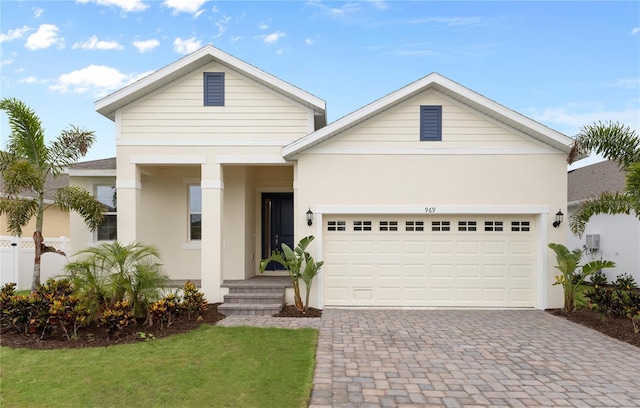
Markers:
point(69, 147)
point(81, 201)
point(26, 139)
point(613, 141)
point(20, 176)
point(19, 211)
point(606, 203)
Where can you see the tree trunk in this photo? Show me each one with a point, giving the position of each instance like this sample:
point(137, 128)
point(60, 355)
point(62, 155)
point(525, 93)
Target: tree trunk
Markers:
point(37, 241)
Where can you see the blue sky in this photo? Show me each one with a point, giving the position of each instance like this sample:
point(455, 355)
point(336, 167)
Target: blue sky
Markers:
point(564, 64)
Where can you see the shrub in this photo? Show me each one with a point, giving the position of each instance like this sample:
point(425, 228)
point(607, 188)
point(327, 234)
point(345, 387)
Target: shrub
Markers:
point(625, 282)
point(68, 314)
point(599, 279)
point(193, 301)
point(117, 316)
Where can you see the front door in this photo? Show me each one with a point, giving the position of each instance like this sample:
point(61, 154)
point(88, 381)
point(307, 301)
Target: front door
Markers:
point(277, 224)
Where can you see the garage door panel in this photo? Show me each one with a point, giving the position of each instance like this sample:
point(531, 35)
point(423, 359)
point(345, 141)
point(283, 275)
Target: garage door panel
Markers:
point(427, 261)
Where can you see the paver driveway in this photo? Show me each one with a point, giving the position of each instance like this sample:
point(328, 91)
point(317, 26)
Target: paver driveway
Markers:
point(463, 358)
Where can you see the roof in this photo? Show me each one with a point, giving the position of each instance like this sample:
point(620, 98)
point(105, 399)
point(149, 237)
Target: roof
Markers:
point(108, 105)
point(51, 185)
point(594, 180)
point(101, 164)
point(451, 89)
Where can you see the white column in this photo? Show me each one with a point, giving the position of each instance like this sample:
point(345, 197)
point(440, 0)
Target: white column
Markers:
point(128, 189)
point(212, 212)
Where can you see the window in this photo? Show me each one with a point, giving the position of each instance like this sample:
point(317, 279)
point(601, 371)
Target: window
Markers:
point(414, 226)
point(214, 89)
point(466, 225)
point(388, 225)
point(108, 230)
point(195, 213)
point(493, 226)
point(336, 226)
point(440, 226)
point(362, 225)
point(430, 123)
point(520, 226)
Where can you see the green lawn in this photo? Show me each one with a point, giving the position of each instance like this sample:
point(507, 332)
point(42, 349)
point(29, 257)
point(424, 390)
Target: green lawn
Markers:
point(209, 367)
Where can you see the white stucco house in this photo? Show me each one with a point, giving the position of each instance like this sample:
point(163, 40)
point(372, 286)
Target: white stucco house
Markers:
point(611, 237)
point(432, 196)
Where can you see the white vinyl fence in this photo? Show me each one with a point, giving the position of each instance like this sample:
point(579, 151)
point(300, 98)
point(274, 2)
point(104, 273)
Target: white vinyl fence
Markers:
point(16, 260)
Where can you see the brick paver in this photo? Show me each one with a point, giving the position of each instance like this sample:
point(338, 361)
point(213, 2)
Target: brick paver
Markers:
point(463, 358)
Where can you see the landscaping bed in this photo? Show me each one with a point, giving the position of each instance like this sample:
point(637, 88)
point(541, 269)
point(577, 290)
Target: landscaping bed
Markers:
point(618, 328)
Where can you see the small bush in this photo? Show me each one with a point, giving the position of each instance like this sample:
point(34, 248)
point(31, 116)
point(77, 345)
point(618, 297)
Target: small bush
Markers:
point(625, 282)
point(118, 316)
point(193, 301)
point(599, 279)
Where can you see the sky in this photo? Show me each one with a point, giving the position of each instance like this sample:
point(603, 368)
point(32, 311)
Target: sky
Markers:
point(564, 64)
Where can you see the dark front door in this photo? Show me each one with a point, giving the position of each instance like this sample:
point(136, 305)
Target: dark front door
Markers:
point(277, 224)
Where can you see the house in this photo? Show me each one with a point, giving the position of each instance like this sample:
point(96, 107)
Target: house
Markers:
point(432, 196)
point(611, 237)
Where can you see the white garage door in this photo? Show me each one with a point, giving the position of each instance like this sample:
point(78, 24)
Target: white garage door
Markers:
point(476, 261)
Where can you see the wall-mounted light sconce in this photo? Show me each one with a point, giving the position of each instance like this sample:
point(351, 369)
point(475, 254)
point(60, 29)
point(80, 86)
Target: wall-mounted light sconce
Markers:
point(309, 217)
point(559, 218)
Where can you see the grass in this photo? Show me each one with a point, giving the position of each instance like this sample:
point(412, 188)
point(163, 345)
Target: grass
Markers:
point(211, 366)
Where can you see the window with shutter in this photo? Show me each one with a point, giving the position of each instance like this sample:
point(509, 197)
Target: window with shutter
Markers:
point(214, 89)
point(430, 123)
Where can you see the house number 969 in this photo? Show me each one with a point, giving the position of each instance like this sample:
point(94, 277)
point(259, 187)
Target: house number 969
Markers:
point(429, 210)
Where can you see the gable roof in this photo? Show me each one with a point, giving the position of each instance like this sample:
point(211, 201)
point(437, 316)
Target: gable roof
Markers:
point(108, 105)
point(594, 180)
point(96, 168)
point(451, 89)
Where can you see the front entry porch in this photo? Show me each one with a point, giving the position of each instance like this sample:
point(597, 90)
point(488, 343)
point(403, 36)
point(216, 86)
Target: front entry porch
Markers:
point(258, 295)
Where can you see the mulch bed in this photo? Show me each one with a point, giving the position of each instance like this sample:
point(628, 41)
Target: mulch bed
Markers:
point(618, 328)
point(96, 336)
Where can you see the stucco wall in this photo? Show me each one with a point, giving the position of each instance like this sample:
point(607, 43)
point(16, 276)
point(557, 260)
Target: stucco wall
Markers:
point(619, 242)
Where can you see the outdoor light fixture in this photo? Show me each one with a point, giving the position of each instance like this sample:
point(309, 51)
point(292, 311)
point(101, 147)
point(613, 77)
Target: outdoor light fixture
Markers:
point(309, 217)
point(559, 217)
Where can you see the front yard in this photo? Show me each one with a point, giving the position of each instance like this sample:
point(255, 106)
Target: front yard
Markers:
point(209, 366)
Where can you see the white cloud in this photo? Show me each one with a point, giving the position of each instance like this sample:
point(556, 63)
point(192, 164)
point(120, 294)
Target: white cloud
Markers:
point(184, 6)
point(628, 83)
point(272, 38)
point(236, 38)
point(45, 37)
point(379, 4)
point(263, 26)
point(634, 31)
point(98, 80)
point(450, 21)
point(94, 44)
point(14, 34)
point(31, 80)
point(309, 41)
point(5, 62)
point(222, 25)
point(186, 46)
point(126, 5)
point(345, 10)
point(145, 46)
point(37, 12)
point(569, 121)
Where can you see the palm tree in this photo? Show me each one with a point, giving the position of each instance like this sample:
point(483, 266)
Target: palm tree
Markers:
point(621, 145)
point(25, 164)
point(112, 272)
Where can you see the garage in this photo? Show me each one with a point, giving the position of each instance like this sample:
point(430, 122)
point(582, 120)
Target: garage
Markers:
point(429, 260)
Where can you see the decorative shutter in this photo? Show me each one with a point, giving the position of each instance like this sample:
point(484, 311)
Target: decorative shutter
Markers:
point(430, 123)
point(214, 89)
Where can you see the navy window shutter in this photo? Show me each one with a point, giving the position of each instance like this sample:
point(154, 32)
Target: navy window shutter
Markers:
point(214, 89)
point(430, 123)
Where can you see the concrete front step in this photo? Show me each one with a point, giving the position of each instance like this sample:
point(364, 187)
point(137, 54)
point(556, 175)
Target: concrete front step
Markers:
point(252, 309)
point(255, 297)
point(255, 289)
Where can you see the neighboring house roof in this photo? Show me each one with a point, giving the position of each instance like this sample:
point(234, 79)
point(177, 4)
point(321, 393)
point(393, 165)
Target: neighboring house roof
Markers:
point(100, 167)
point(108, 105)
point(594, 180)
point(449, 88)
point(51, 185)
